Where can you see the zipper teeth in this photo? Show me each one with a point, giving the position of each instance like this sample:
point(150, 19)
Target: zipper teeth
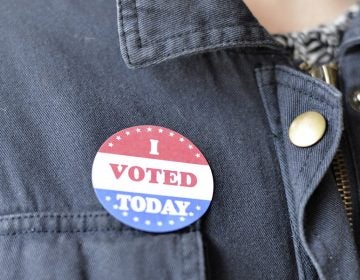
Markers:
point(343, 183)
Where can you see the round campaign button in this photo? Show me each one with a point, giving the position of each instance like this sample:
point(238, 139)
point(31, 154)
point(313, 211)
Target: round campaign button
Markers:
point(152, 178)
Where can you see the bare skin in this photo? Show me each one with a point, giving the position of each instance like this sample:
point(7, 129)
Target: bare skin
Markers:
point(281, 16)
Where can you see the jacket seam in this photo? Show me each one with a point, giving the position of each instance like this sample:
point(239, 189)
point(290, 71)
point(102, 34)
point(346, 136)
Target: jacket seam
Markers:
point(313, 82)
point(123, 33)
point(51, 216)
point(297, 90)
point(278, 144)
point(213, 47)
point(65, 231)
point(137, 30)
point(199, 30)
point(39, 223)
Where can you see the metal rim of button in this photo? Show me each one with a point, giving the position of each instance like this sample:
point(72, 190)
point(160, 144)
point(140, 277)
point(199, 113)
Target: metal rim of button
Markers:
point(307, 129)
point(355, 100)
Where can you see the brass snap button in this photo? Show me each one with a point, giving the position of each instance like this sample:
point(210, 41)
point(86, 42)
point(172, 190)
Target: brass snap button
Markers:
point(307, 129)
point(355, 100)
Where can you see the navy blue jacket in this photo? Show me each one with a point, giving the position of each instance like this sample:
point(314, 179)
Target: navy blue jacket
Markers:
point(206, 69)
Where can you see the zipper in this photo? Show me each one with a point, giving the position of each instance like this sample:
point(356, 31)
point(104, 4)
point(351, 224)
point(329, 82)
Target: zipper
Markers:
point(328, 74)
point(343, 184)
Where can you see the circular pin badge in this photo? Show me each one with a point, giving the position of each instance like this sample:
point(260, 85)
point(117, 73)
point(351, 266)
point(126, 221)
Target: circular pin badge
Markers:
point(152, 178)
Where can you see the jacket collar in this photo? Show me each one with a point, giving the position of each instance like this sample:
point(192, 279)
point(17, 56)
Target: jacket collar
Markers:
point(154, 31)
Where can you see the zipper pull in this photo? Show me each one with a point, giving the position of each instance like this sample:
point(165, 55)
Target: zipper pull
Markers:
point(326, 73)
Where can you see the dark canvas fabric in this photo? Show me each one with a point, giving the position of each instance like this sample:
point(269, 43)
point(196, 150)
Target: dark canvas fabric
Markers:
point(205, 69)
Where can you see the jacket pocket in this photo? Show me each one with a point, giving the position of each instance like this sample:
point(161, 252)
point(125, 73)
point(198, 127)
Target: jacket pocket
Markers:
point(94, 246)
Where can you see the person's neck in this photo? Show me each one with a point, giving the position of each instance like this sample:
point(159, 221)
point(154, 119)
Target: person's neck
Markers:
point(281, 16)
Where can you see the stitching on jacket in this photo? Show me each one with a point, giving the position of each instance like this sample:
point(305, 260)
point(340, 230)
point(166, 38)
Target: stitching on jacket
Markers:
point(137, 30)
point(277, 118)
point(265, 52)
point(314, 82)
point(123, 34)
point(302, 170)
point(190, 32)
point(262, 86)
point(300, 92)
point(123, 229)
point(66, 231)
point(297, 90)
point(200, 30)
point(309, 154)
point(332, 106)
point(197, 48)
point(65, 216)
point(310, 96)
point(11, 226)
point(301, 199)
point(261, 71)
point(313, 176)
point(278, 143)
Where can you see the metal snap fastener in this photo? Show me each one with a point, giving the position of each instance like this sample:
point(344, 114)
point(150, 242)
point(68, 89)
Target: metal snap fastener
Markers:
point(307, 129)
point(355, 100)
